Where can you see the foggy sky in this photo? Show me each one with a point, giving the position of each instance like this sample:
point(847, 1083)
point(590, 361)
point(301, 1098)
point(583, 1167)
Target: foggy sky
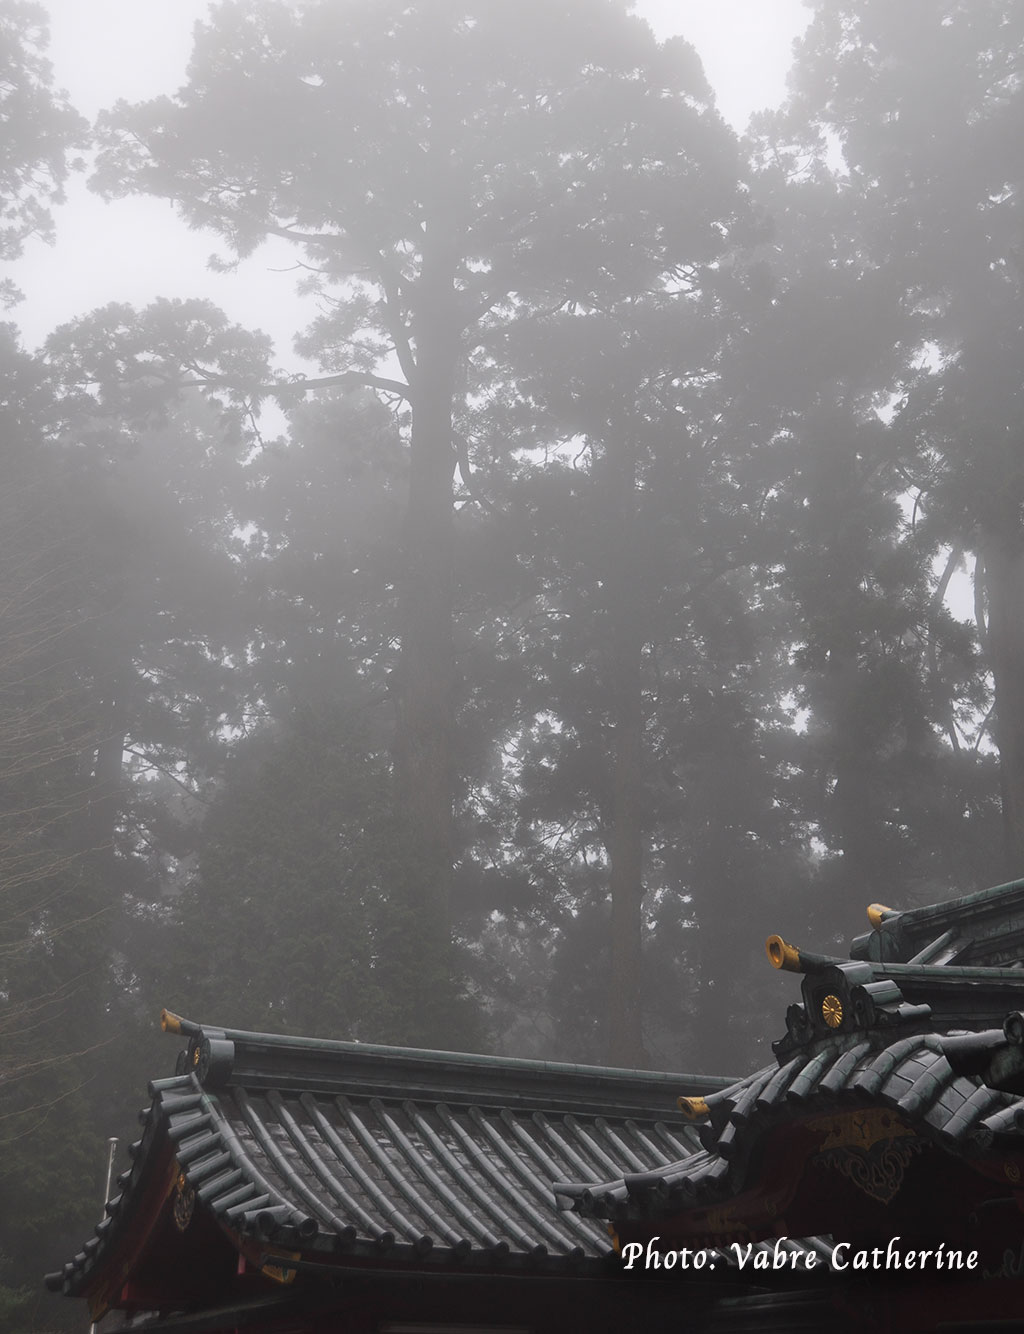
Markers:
point(134, 250)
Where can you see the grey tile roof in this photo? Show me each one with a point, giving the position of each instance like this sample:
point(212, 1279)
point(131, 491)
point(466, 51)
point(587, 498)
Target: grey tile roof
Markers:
point(985, 928)
point(912, 1077)
point(906, 1026)
point(354, 1154)
point(339, 1154)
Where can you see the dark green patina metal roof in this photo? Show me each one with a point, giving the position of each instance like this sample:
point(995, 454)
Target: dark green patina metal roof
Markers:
point(389, 1155)
point(985, 928)
point(907, 1026)
point(911, 1076)
point(305, 1159)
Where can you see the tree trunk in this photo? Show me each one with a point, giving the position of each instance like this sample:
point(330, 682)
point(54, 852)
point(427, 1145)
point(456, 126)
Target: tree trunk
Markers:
point(95, 823)
point(854, 819)
point(625, 855)
point(1004, 575)
point(423, 744)
point(625, 840)
point(717, 898)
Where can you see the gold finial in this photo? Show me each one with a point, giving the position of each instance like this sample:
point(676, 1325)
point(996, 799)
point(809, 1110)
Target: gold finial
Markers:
point(781, 955)
point(876, 911)
point(694, 1109)
point(170, 1023)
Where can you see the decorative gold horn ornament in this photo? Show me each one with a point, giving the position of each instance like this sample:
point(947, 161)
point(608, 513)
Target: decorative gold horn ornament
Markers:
point(781, 955)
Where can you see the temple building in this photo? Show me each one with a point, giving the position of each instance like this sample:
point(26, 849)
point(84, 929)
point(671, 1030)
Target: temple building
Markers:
point(870, 1178)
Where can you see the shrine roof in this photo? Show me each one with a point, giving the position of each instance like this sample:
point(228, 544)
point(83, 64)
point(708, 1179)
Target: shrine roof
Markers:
point(985, 928)
point(913, 1078)
point(338, 1152)
point(267, 1158)
point(920, 1032)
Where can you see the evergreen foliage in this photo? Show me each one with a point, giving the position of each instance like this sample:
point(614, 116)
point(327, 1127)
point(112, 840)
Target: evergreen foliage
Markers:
point(589, 616)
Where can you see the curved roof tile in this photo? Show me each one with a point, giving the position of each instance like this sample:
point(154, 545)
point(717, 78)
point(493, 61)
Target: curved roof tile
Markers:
point(389, 1154)
point(911, 1076)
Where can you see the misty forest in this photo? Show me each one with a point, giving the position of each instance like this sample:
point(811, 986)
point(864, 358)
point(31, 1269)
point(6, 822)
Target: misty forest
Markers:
point(637, 571)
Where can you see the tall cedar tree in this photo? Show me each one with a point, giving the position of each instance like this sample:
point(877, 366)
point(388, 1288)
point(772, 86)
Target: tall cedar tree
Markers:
point(301, 818)
point(40, 129)
point(639, 629)
point(44, 727)
point(879, 667)
point(53, 912)
point(445, 169)
point(924, 103)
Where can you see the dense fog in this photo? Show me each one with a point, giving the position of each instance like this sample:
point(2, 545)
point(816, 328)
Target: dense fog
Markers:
point(637, 571)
